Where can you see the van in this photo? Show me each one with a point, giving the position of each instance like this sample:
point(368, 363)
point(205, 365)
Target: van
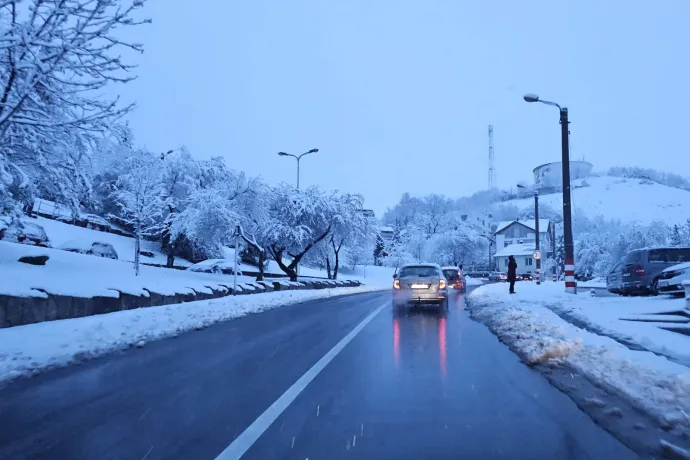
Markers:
point(642, 268)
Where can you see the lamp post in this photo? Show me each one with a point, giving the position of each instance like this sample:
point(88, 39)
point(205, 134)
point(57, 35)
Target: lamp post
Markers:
point(536, 230)
point(570, 285)
point(297, 157)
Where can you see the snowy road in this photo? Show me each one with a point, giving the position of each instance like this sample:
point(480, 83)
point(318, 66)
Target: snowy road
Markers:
point(415, 386)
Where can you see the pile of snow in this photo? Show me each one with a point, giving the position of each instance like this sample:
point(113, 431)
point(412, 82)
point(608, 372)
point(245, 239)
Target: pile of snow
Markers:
point(525, 322)
point(25, 350)
point(620, 198)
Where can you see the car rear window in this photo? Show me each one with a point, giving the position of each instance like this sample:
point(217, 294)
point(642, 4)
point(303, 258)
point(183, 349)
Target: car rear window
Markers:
point(451, 275)
point(635, 256)
point(670, 255)
point(418, 271)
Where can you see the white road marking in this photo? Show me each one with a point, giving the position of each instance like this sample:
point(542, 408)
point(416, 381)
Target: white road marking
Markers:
point(244, 441)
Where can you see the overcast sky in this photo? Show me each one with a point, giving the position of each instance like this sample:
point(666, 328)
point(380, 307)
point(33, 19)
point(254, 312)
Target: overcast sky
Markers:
point(398, 94)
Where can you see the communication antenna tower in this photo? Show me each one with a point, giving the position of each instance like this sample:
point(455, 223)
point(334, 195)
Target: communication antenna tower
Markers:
point(492, 167)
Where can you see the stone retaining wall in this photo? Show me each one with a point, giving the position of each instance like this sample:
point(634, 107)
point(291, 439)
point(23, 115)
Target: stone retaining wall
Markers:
point(17, 311)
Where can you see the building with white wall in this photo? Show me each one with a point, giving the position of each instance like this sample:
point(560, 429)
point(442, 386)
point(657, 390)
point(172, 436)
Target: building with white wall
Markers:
point(518, 239)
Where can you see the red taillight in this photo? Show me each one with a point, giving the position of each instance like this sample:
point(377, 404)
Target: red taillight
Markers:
point(639, 270)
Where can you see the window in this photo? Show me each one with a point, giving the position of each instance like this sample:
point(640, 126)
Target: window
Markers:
point(528, 261)
point(668, 256)
point(418, 271)
point(505, 244)
point(505, 262)
point(634, 257)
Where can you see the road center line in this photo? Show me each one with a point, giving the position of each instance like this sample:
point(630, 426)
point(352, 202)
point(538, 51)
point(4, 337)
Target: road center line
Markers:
point(244, 441)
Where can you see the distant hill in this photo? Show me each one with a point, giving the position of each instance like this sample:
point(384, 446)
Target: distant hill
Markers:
point(620, 198)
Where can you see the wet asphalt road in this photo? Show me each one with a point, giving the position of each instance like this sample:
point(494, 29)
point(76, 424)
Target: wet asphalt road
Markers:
point(413, 386)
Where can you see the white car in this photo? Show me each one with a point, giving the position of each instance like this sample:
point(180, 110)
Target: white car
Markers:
point(220, 266)
point(671, 279)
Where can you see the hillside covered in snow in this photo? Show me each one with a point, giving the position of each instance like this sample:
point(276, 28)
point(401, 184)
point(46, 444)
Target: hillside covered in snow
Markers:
point(620, 198)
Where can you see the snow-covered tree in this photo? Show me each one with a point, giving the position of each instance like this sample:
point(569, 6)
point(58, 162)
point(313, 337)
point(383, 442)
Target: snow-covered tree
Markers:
point(298, 220)
point(138, 193)
point(349, 227)
point(213, 210)
point(56, 57)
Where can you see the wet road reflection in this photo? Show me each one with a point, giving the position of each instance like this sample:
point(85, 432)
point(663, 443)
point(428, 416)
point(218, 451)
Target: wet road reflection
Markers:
point(431, 383)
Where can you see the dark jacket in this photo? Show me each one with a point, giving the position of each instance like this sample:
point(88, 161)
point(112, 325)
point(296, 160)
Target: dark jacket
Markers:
point(512, 269)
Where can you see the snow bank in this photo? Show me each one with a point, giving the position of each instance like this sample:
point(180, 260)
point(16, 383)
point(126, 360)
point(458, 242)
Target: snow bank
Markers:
point(526, 323)
point(25, 350)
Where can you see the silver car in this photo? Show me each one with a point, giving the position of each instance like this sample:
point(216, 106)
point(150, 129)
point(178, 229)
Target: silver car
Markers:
point(420, 284)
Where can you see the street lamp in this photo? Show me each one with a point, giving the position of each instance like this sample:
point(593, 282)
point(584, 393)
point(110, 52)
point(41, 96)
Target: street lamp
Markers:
point(570, 285)
point(536, 230)
point(297, 157)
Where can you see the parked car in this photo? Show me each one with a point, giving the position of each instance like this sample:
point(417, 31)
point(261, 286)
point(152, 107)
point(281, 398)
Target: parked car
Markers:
point(642, 268)
point(454, 279)
point(24, 232)
point(525, 277)
point(498, 276)
point(220, 266)
point(614, 279)
point(92, 248)
point(671, 279)
point(420, 284)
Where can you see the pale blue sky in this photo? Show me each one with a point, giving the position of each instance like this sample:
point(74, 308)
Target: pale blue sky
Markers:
point(398, 94)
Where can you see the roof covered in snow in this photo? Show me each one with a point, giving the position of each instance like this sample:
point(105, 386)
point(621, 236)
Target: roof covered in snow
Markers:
point(516, 250)
point(543, 224)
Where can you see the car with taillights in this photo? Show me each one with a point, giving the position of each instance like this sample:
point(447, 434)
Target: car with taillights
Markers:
point(642, 268)
point(671, 279)
point(455, 278)
point(420, 284)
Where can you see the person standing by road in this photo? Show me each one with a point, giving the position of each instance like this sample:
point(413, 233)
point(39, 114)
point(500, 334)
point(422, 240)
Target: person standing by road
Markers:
point(512, 273)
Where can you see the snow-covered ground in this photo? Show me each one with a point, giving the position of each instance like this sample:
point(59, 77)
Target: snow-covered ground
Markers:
point(527, 324)
point(473, 281)
point(622, 198)
point(25, 350)
point(80, 275)
point(60, 233)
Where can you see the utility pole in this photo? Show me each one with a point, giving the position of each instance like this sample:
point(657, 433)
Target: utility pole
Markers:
point(536, 229)
point(570, 284)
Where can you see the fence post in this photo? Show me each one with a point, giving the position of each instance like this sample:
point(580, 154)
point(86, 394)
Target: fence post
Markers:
point(686, 285)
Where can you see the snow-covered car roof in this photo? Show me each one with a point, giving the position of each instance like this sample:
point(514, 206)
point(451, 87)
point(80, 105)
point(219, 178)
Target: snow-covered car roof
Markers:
point(210, 263)
point(681, 266)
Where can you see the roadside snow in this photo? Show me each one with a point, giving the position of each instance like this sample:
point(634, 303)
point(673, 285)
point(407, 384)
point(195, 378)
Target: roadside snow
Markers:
point(25, 350)
point(526, 323)
point(473, 281)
